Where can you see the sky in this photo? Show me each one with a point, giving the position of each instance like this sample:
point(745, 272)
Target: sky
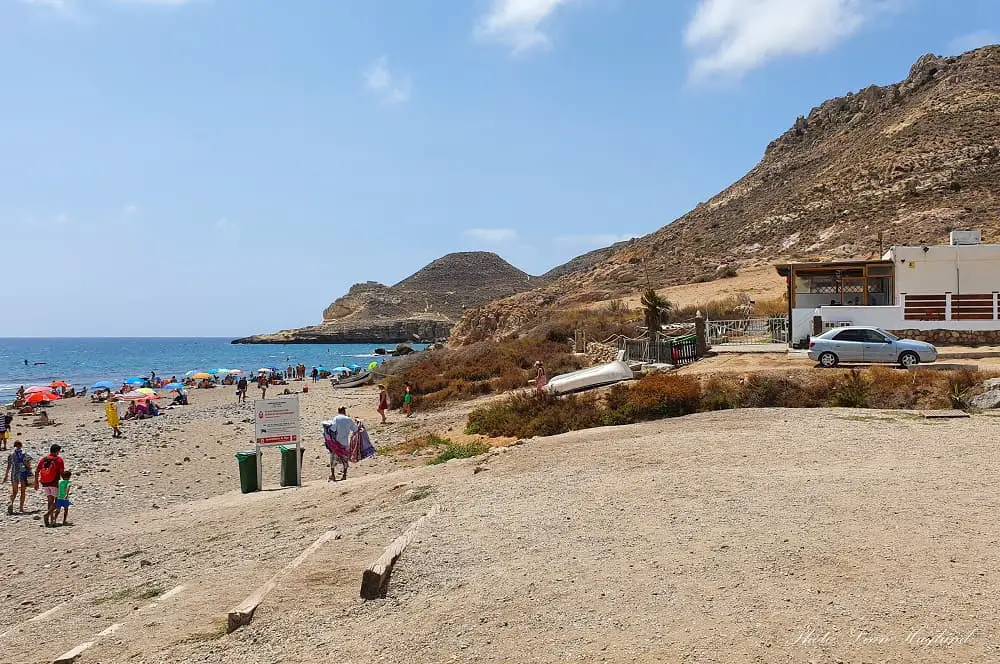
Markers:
point(229, 167)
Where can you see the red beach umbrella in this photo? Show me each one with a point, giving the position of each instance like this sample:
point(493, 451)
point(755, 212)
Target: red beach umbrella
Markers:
point(59, 383)
point(42, 397)
point(34, 389)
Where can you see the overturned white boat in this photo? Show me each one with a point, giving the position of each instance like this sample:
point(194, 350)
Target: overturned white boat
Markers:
point(584, 379)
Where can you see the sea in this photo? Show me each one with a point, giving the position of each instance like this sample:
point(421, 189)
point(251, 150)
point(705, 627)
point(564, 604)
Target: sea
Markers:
point(83, 362)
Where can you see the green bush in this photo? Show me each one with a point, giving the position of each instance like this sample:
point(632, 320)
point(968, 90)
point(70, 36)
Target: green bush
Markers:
point(458, 451)
point(852, 391)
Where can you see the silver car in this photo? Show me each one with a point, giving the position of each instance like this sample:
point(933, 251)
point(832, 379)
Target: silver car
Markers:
point(868, 344)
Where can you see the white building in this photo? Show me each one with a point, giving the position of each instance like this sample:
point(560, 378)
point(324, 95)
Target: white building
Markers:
point(926, 291)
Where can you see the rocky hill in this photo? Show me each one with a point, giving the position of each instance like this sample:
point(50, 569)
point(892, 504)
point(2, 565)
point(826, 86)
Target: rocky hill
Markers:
point(913, 160)
point(422, 307)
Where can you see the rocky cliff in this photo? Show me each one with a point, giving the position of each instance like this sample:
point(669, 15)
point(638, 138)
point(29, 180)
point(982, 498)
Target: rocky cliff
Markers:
point(912, 160)
point(422, 307)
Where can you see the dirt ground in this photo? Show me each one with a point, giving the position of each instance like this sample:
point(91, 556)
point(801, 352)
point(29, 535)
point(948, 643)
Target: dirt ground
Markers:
point(738, 536)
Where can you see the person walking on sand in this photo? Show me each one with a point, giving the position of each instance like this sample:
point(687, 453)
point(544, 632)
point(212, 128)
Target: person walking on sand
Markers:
point(62, 498)
point(48, 473)
point(262, 382)
point(113, 417)
point(19, 471)
point(407, 400)
point(540, 379)
point(383, 401)
point(241, 389)
point(340, 448)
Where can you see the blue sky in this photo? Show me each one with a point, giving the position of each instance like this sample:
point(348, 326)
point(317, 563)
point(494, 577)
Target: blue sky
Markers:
point(225, 167)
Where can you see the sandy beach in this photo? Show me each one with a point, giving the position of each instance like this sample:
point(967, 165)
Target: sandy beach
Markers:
point(769, 535)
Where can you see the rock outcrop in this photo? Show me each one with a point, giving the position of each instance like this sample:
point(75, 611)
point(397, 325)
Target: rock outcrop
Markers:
point(913, 161)
point(421, 308)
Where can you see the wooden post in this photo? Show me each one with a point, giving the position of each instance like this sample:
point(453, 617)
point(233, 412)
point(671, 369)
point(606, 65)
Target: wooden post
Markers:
point(701, 334)
point(243, 613)
point(375, 579)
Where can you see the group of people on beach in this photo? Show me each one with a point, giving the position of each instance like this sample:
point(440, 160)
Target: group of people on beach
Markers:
point(49, 474)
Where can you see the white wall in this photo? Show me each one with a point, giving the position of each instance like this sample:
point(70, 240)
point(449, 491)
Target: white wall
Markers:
point(942, 268)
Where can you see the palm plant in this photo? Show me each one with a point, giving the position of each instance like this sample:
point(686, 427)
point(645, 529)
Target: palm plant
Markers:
point(655, 307)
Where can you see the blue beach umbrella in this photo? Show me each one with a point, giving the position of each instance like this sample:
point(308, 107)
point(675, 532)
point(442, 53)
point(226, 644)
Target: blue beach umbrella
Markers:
point(321, 368)
point(340, 370)
point(135, 380)
point(214, 372)
point(103, 385)
point(173, 386)
point(355, 367)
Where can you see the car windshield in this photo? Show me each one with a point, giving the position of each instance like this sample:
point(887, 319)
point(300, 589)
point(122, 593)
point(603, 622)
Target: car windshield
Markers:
point(889, 334)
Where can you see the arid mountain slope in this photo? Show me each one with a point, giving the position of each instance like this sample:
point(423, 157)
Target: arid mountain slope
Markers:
point(422, 307)
point(914, 160)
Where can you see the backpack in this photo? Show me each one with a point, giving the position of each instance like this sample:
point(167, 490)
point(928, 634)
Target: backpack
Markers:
point(21, 465)
point(48, 473)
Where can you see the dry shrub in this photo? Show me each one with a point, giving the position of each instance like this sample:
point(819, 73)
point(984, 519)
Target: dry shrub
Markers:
point(852, 390)
point(720, 394)
point(664, 395)
point(768, 391)
point(532, 414)
point(447, 375)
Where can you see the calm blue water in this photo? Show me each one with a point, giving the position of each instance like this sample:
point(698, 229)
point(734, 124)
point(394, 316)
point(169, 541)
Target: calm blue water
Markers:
point(82, 362)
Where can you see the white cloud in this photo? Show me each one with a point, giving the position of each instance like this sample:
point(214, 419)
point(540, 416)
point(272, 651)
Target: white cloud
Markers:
point(492, 235)
point(390, 87)
point(732, 37)
point(973, 40)
point(590, 241)
point(518, 23)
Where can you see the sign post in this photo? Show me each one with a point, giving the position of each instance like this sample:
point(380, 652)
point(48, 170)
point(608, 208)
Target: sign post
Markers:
point(277, 423)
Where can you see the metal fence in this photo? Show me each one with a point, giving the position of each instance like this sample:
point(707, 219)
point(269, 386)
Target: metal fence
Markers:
point(748, 331)
point(676, 351)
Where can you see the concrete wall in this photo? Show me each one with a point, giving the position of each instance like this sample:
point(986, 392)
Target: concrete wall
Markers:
point(888, 318)
point(942, 268)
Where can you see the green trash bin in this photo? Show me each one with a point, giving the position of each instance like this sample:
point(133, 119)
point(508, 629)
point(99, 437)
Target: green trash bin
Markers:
point(289, 473)
point(247, 461)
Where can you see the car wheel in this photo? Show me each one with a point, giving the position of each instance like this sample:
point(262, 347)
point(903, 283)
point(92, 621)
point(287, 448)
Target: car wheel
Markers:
point(829, 360)
point(909, 359)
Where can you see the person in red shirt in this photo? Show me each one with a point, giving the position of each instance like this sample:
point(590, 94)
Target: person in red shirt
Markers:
point(48, 472)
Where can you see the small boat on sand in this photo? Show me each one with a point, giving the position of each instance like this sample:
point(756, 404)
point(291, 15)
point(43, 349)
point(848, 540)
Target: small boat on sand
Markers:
point(363, 378)
point(584, 379)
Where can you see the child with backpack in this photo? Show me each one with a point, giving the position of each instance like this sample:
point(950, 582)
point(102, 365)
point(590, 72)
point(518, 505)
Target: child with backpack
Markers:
point(19, 471)
point(62, 499)
point(48, 473)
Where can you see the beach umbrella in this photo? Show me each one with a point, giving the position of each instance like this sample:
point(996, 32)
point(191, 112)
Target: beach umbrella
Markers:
point(373, 366)
point(202, 376)
point(212, 371)
point(36, 389)
point(174, 386)
point(104, 385)
point(321, 368)
point(354, 367)
point(147, 390)
point(265, 370)
point(136, 396)
point(236, 372)
point(191, 373)
point(42, 397)
point(340, 370)
point(135, 380)
point(59, 383)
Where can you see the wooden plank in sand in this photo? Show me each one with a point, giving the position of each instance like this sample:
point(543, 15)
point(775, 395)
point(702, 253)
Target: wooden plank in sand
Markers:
point(375, 580)
point(243, 613)
point(943, 414)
